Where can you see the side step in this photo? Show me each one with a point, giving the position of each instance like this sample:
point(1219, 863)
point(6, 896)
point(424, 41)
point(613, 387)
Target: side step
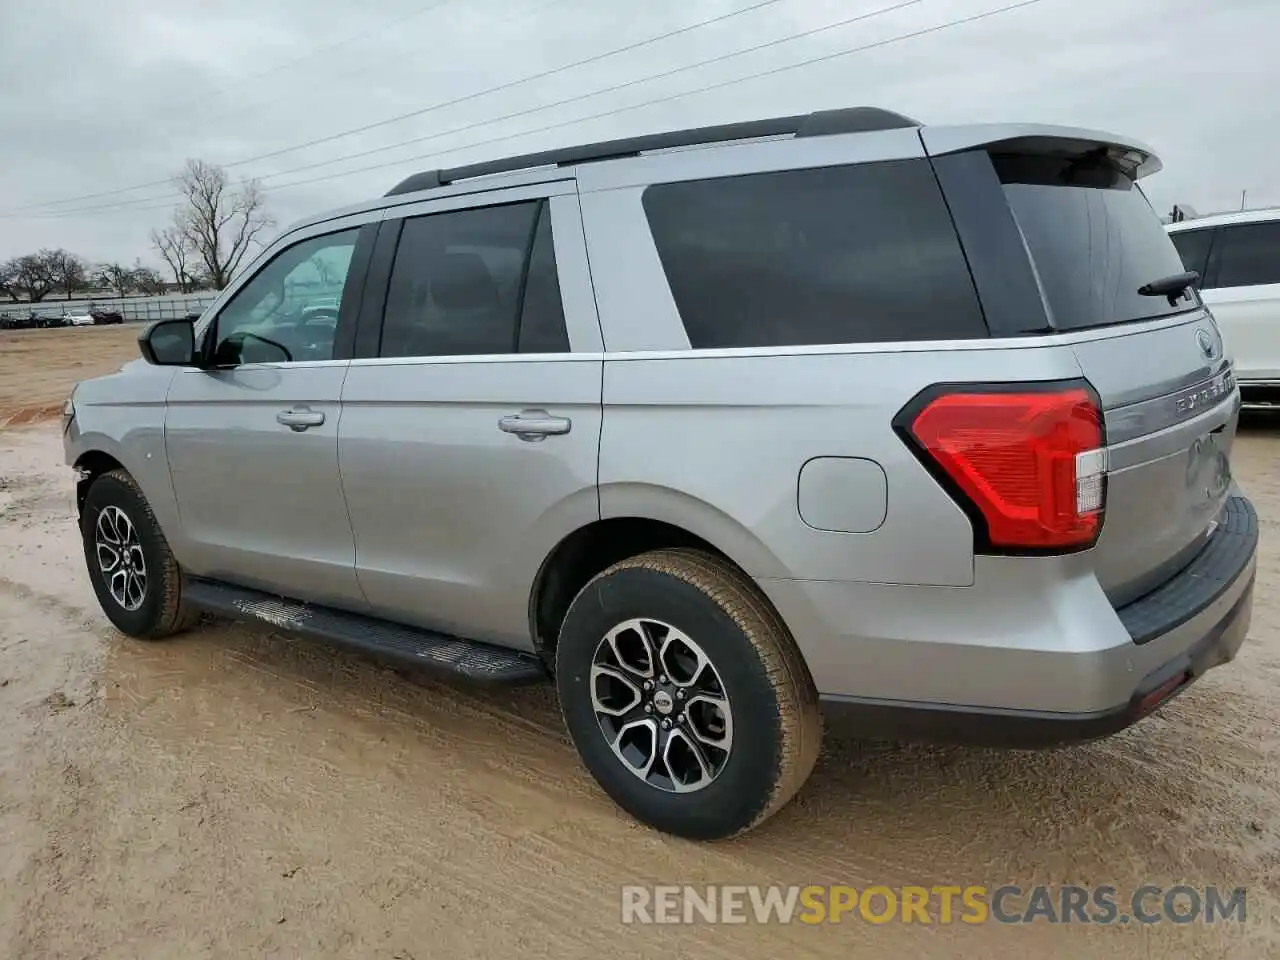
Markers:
point(478, 662)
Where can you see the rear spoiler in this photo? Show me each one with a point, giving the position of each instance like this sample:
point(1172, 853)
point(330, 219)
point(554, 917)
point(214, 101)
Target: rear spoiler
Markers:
point(1133, 156)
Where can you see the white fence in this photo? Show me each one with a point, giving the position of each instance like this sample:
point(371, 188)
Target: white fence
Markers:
point(140, 309)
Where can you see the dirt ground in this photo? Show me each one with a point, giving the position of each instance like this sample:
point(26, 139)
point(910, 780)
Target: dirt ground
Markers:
point(232, 793)
point(39, 367)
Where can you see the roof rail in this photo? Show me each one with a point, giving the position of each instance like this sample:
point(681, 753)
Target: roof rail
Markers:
point(821, 123)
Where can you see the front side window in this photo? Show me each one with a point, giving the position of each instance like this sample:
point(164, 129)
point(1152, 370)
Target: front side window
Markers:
point(289, 310)
point(475, 282)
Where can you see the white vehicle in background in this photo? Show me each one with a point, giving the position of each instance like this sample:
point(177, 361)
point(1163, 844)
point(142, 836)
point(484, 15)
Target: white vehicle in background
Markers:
point(1238, 258)
point(77, 319)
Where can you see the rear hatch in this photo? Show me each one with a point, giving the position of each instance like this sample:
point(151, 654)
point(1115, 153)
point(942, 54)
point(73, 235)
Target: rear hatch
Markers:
point(1154, 357)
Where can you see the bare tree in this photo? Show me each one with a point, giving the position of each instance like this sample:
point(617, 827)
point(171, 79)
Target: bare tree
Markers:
point(146, 280)
point(69, 271)
point(324, 270)
point(171, 244)
point(8, 271)
point(219, 221)
point(121, 279)
point(33, 275)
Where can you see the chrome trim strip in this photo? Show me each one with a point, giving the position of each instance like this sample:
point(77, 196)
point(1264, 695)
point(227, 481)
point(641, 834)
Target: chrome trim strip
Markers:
point(1030, 342)
point(1037, 341)
point(480, 358)
point(1188, 405)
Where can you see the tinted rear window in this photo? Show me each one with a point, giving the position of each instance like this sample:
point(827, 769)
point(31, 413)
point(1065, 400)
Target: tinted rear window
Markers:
point(837, 255)
point(1094, 237)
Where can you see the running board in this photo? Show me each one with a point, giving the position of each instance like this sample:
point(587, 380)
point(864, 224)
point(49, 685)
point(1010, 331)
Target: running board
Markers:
point(475, 661)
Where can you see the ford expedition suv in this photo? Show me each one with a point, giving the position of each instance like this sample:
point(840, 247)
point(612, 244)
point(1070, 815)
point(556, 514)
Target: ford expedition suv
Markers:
point(722, 430)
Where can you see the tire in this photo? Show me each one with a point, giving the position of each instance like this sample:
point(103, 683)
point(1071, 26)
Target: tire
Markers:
point(755, 757)
point(155, 610)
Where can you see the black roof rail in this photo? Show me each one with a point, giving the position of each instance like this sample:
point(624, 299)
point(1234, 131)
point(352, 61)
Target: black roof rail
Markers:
point(427, 180)
point(821, 123)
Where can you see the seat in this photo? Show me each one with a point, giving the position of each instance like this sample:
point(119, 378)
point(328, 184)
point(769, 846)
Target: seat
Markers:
point(459, 309)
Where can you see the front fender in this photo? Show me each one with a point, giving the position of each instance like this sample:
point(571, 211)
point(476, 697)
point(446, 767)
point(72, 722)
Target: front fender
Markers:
point(121, 416)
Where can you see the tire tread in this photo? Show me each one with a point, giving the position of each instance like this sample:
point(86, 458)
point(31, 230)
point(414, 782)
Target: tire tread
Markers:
point(799, 714)
point(175, 616)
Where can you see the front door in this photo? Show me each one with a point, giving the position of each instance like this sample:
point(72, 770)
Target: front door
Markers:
point(470, 436)
point(252, 439)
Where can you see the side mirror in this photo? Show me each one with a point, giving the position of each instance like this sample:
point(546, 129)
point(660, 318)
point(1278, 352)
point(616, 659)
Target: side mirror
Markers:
point(169, 343)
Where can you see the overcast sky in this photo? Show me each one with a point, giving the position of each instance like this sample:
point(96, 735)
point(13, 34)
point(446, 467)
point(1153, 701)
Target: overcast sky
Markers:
point(97, 96)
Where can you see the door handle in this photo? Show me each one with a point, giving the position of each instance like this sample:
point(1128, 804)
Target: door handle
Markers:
point(533, 425)
point(299, 420)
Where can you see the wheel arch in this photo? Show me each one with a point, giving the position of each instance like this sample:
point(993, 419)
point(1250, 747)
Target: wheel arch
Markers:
point(678, 521)
point(141, 454)
point(89, 466)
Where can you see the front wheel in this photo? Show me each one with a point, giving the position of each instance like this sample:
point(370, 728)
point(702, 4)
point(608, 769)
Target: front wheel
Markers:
point(685, 694)
point(133, 571)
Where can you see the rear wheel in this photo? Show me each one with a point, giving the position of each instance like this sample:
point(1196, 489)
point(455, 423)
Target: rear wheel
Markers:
point(134, 574)
point(686, 695)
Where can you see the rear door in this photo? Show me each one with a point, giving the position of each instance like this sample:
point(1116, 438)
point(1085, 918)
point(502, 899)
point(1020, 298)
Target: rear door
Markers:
point(1156, 361)
point(471, 416)
point(1243, 289)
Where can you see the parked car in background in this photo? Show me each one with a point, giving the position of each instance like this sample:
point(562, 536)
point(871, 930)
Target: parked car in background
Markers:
point(323, 307)
point(77, 319)
point(106, 316)
point(717, 429)
point(1238, 258)
point(54, 320)
point(28, 320)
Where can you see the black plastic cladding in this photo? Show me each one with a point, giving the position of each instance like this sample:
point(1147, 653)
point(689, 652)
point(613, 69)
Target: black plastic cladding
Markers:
point(982, 544)
point(820, 123)
point(999, 262)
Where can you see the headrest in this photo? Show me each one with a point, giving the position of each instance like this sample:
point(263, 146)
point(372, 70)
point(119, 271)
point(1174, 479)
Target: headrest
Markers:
point(461, 281)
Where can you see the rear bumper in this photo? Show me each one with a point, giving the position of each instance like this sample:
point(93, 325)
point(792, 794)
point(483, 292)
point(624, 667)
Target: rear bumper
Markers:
point(1029, 729)
point(1032, 663)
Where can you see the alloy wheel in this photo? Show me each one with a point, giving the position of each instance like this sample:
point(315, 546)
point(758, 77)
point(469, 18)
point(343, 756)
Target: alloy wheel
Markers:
point(661, 705)
point(120, 558)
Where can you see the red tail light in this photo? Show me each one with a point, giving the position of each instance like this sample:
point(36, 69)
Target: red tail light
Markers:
point(1028, 464)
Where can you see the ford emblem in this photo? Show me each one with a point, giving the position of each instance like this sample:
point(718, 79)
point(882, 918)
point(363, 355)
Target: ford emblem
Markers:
point(1207, 345)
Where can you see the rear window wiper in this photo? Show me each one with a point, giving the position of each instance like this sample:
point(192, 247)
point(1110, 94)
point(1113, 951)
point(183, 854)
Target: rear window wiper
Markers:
point(1172, 286)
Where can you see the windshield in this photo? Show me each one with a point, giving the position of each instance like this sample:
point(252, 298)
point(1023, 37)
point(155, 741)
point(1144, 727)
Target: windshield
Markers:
point(1094, 237)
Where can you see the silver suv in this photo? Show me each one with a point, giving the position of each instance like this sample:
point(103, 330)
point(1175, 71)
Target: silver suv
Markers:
point(722, 429)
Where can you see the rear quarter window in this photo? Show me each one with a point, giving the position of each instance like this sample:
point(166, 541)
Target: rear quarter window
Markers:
point(835, 255)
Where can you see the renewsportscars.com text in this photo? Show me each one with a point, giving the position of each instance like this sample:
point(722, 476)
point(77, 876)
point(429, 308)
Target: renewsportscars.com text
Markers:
point(941, 905)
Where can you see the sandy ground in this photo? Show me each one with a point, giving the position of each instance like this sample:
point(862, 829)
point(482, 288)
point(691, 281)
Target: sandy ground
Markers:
point(39, 367)
point(235, 794)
